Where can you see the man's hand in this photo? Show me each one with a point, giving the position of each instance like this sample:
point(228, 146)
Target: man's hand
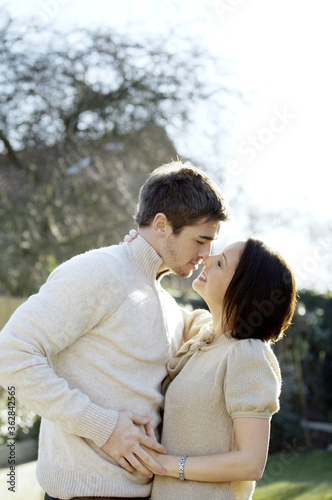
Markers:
point(160, 458)
point(125, 445)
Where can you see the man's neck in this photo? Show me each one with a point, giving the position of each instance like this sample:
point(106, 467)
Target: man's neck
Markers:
point(148, 234)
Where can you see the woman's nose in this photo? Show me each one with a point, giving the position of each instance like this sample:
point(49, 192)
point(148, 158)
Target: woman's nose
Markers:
point(206, 261)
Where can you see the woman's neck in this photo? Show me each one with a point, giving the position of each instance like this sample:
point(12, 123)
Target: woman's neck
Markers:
point(219, 326)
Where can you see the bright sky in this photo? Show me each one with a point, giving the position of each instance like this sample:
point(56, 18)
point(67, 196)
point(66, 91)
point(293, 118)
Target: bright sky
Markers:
point(277, 150)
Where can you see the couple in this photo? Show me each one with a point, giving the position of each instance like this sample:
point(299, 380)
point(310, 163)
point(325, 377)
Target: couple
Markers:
point(90, 352)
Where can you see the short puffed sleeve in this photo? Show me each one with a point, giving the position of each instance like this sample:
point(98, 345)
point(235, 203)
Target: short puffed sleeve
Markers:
point(252, 380)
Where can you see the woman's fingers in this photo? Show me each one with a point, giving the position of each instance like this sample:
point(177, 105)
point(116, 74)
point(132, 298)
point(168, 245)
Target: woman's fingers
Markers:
point(131, 235)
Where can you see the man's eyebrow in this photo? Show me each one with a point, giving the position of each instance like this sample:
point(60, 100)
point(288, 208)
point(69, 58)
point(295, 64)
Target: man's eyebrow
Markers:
point(209, 238)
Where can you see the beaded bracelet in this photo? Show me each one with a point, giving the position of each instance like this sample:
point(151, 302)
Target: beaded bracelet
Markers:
point(181, 466)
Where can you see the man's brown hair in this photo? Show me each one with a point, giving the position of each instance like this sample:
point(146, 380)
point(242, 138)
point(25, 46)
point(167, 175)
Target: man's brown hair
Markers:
point(183, 193)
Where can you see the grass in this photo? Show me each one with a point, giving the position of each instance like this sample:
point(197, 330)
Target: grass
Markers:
point(292, 475)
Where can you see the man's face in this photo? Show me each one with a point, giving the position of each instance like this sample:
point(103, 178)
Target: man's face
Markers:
point(183, 253)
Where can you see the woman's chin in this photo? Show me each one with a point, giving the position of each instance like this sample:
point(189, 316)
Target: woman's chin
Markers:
point(197, 286)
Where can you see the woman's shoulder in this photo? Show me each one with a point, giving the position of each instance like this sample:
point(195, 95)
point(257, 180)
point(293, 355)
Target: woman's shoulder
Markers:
point(254, 352)
point(253, 379)
point(253, 346)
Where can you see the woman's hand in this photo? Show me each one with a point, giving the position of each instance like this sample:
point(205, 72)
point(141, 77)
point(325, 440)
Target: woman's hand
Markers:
point(131, 236)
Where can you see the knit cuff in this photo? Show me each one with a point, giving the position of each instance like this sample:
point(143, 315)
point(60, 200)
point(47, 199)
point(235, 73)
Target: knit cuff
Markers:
point(97, 424)
point(255, 414)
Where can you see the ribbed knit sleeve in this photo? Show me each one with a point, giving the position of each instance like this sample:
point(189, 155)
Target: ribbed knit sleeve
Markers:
point(252, 381)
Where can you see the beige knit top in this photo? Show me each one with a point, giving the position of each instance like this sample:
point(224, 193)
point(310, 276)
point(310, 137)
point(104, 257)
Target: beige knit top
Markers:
point(218, 382)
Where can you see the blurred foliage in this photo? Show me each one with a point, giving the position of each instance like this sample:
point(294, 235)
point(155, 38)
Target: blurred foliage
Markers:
point(305, 357)
point(83, 122)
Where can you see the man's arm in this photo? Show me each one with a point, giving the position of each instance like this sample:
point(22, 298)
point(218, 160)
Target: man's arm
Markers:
point(45, 325)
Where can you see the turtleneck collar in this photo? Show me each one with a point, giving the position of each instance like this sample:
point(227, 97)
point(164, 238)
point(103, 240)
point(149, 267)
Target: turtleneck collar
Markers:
point(145, 257)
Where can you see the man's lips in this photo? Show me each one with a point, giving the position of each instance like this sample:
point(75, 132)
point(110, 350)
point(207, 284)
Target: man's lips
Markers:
point(194, 265)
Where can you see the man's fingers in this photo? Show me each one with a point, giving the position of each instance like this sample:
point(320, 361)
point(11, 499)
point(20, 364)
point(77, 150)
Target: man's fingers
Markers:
point(153, 445)
point(126, 465)
point(139, 420)
point(150, 432)
point(140, 466)
point(126, 441)
point(152, 464)
point(148, 441)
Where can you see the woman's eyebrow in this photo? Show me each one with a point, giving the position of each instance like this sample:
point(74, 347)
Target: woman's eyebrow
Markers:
point(225, 257)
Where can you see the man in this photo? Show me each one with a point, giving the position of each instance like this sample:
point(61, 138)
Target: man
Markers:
point(89, 351)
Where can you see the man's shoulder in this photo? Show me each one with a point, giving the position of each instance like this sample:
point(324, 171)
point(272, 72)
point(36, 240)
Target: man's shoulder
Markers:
point(98, 264)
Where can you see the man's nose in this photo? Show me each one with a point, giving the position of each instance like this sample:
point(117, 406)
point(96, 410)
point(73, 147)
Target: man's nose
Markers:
point(207, 261)
point(205, 251)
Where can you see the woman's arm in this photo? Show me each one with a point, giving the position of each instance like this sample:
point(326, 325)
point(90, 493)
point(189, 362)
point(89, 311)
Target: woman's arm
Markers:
point(247, 463)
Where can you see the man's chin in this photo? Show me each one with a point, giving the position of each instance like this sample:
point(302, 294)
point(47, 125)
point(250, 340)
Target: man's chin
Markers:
point(182, 273)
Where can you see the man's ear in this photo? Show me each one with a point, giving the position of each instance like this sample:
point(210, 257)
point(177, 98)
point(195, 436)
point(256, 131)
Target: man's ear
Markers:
point(161, 225)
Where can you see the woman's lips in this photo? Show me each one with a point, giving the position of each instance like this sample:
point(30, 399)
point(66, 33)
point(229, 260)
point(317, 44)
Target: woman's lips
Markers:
point(202, 277)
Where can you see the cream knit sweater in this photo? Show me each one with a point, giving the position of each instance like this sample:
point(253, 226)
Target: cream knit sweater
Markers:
point(94, 340)
point(213, 384)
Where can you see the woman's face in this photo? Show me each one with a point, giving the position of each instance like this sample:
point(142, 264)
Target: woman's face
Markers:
point(217, 274)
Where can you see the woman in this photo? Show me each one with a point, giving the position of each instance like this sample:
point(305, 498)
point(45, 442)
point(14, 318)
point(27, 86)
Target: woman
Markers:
point(225, 382)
